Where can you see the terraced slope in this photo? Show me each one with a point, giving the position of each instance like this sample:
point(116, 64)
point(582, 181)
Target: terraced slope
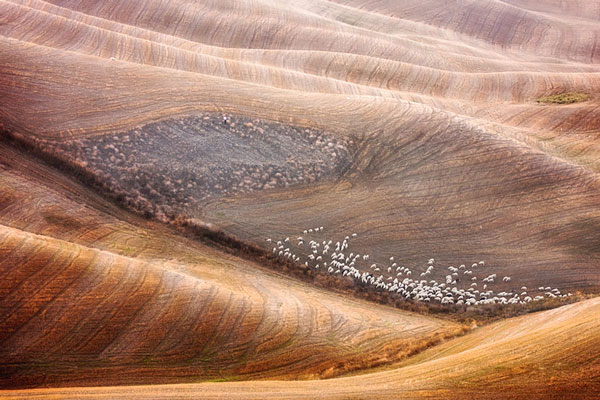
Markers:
point(89, 296)
point(549, 355)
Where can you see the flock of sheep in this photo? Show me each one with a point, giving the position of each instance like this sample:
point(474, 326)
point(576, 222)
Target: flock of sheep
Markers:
point(460, 285)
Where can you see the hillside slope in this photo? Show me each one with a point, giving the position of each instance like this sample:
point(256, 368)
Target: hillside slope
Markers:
point(549, 355)
point(92, 296)
point(450, 156)
point(413, 129)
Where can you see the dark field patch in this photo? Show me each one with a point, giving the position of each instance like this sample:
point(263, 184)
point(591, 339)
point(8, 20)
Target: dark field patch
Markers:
point(584, 237)
point(62, 220)
point(6, 199)
point(182, 163)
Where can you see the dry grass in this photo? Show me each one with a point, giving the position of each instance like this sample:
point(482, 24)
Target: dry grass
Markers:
point(564, 98)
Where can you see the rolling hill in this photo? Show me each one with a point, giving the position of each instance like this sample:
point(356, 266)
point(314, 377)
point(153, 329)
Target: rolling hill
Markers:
point(92, 295)
point(408, 130)
point(439, 125)
point(544, 355)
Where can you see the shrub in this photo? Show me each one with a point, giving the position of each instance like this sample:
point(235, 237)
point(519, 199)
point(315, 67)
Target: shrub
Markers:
point(564, 98)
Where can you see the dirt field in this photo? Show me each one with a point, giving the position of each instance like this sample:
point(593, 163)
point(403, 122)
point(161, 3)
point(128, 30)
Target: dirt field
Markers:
point(92, 295)
point(544, 356)
point(413, 128)
point(179, 165)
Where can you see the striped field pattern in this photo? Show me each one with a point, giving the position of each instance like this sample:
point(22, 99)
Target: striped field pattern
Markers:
point(443, 151)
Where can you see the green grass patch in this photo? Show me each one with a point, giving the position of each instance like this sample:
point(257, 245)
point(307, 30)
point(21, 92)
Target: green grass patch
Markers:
point(232, 378)
point(147, 360)
point(564, 98)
